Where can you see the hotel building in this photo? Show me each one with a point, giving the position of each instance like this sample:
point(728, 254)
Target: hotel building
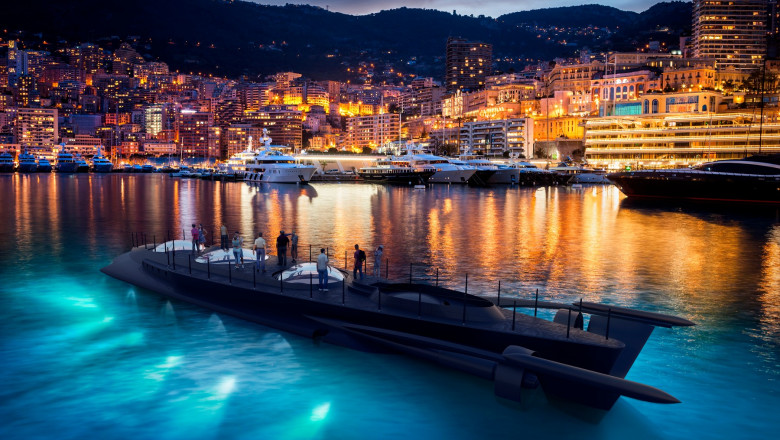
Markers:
point(733, 32)
point(494, 138)
point(371, 131)
point(37, 129)
point(468, 64)
point(673, 130)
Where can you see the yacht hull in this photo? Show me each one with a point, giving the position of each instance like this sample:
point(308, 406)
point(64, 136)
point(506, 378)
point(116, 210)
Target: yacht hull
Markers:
point(28, 167)
point(698, 185)
point(280, 175)
point(451, 176)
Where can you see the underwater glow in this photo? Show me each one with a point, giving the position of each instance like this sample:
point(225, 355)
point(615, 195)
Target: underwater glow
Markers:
point(320, 412)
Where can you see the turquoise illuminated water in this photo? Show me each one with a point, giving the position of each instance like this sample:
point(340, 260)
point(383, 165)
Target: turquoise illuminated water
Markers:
point(86, 356)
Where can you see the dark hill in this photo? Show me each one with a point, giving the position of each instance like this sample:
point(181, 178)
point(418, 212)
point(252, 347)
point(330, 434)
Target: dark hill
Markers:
point(232, 38)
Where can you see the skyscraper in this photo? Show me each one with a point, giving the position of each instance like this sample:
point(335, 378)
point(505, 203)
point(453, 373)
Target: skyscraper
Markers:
point(468, 63)
point(733, 32)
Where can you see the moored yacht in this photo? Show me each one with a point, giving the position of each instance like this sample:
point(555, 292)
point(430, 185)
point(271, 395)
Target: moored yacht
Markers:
point(66, 163)
point(6, 162)
point(532, 175)
point(44, 166)
point(754, 179)
point(501, 173)
point(580, 174)
point(444, 170)
point(27, 163)
point(269, 165)
point(397, 171)
point(81, 164)
point(100, 163)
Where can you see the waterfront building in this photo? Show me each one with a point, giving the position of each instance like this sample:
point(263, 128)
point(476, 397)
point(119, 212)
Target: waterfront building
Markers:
point(284, 124)
point(733, 32)
point(197, 135)
point(677, 139)
point(496, 137)
point(82, 144)
point(371, 131)
point(88, 57)
point(236, 138)
point(467, 65)
point(159, 148)
point(575, 78)
point(563, 127)
point(154, 119)
point(37, 129)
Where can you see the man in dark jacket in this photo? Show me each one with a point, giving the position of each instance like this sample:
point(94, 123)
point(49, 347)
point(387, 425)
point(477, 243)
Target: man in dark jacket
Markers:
point(281, 249)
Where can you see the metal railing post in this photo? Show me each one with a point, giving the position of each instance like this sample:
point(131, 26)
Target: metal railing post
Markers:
point(568, 324)
point(514, 312)
point(437, 277)
point(498, 298)
point(173, 250)
point(154, 238)
point(345, 261)
point(465, 296)
point(311, 286)
point(536, 302)
point(387, 268)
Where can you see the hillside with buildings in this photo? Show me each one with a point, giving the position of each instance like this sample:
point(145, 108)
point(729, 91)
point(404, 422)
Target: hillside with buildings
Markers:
point(322, 81)
point(242, 38)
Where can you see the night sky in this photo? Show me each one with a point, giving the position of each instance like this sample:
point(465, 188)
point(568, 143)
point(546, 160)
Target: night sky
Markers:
point(493, 8)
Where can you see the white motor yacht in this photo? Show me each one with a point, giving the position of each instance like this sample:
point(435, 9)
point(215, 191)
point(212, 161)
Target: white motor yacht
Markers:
point(444, 170)
point(269, 165)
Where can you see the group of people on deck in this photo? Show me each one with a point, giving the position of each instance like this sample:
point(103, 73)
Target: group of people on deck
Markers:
point(283, 242)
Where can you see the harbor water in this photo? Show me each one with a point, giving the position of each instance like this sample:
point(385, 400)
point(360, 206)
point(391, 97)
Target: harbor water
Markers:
point(87, 356)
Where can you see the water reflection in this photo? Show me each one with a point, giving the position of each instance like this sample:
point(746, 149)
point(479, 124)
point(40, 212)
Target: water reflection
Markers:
point(718, 267)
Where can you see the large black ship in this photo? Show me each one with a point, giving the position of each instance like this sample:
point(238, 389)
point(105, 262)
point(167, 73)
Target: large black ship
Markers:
point(754, 179)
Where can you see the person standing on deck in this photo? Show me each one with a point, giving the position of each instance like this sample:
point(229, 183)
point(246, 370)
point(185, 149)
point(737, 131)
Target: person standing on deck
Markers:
point(259, 250)
point(378, 259)
point(237, 252)
point(281, 249)
point(293, 246)
point(223, 238)
point(195, 235)
point(201, 237)
point(360, 257)
point(322, 270)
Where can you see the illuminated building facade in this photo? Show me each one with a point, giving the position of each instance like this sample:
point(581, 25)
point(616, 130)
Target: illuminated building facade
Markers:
point(284, 124)
point(677, 139)
point(371, 131)
point(197, 135)
point(733, 32)
point(494, 138)
point(154, 119)
point(37, 129)
point(468, 64)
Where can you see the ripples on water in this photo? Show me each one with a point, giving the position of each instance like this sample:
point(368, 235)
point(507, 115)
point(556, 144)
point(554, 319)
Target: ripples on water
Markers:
point(85, 355)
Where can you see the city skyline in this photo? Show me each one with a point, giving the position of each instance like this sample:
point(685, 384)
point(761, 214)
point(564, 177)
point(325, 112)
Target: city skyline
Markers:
point(491, 8)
